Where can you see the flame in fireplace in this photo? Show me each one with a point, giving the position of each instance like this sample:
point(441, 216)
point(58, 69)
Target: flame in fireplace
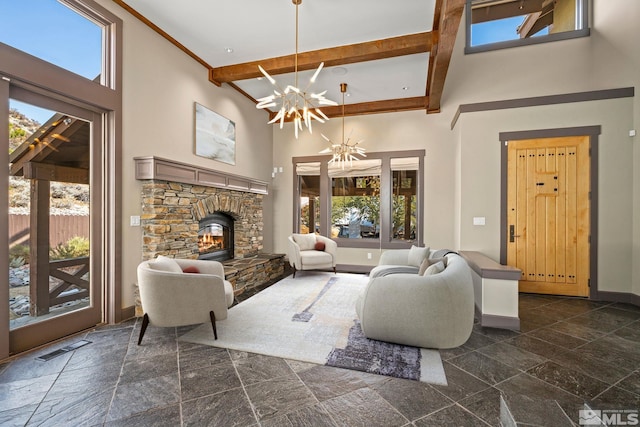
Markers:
point(208, 242)
point(211, 238)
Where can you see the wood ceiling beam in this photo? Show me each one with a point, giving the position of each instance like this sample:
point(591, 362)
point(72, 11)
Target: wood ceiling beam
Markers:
point(373, 107)
point(348, 54)
point(446, 30)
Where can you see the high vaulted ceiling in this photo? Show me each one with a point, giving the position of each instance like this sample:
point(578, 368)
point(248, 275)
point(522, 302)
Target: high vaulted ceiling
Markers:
point(394, 55)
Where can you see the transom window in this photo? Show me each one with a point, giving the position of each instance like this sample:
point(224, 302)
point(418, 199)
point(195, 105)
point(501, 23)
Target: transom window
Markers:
point(497, 24)
point(375, 202)
point(64, 33)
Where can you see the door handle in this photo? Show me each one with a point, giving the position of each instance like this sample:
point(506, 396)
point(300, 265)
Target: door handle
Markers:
point(512, 233)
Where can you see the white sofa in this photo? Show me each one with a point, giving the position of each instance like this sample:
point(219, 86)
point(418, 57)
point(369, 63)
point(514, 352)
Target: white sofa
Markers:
point(171, 297)
point(428, 311)
point(303, 255)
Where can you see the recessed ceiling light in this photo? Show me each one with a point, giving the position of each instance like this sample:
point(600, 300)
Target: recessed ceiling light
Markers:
point(228, 49)
point(339, 71)
point(405, 87)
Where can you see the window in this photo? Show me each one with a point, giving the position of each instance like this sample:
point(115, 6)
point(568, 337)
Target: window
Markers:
point(374, 202)
point(355, 200)
point(309, 185)
point(405, 198)
point(65, 33)
point(497, 24)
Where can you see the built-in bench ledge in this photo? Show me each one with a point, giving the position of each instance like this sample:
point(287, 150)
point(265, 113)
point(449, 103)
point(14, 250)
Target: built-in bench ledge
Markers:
point(253, 272)
point(496, 291)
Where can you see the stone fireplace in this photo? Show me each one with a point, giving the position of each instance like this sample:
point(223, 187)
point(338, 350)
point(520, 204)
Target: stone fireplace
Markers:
point(172, 211)
point(178, 203)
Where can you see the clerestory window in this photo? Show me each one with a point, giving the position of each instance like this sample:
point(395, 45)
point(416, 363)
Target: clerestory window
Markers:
point(499, 24)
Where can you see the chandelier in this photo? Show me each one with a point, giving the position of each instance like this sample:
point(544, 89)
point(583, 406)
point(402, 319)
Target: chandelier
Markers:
point(300, 105)
point(346, 151)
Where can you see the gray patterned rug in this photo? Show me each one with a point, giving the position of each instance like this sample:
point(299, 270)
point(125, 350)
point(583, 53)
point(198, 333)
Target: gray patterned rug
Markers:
point(312, 318)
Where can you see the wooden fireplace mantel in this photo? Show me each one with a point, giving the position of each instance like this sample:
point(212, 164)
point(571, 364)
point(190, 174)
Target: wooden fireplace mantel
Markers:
point(151, 167)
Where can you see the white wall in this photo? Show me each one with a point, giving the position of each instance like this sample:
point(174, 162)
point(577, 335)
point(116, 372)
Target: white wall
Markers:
point(380, 132)
point(609, 58)
point(481, 177)
point(463, 165)
point(160, 85)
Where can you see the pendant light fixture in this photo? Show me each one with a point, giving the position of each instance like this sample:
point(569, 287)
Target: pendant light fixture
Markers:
point(294, 103)
point(346, 151)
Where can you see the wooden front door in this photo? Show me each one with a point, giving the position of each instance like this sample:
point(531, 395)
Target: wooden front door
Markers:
point(548, 190)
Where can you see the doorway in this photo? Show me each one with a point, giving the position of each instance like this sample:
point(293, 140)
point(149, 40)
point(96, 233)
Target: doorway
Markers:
point(54, 194)
point(549, 219)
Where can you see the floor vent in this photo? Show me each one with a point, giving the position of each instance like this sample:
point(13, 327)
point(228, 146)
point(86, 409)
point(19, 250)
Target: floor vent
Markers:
point(63, 350)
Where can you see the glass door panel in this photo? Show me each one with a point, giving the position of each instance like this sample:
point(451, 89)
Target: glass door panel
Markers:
point(49, 220)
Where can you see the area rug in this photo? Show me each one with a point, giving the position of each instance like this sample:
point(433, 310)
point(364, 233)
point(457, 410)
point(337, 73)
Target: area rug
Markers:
point(312, 318)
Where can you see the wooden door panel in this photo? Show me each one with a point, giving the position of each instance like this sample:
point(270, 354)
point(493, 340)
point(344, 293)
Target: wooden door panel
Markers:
point(548, 214)
point(550, 180)
point(561, 215)
point(571, 214)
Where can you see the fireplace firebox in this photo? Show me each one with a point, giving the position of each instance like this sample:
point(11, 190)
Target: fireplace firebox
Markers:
point(215, 237)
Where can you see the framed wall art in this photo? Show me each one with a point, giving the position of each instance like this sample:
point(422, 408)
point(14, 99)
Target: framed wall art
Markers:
point(215, 136)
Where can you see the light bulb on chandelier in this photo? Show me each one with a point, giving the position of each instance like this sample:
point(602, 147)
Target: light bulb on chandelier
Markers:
point(346, 151)
point(298, 105)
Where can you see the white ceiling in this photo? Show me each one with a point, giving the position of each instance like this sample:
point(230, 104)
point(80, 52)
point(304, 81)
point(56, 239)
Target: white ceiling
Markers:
point(262, 29)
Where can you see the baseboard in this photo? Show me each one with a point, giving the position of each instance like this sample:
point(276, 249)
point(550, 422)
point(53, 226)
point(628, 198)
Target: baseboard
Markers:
point(127, 313)
point(352, 268)
point(622, 297)
point(495, 321)
point(501, 322)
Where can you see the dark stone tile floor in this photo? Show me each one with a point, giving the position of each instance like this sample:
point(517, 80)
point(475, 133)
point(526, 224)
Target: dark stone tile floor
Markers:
point(569, 352)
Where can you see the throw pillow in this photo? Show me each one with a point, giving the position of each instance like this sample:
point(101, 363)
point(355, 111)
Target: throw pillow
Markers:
point(436, 268)
point(319, 246)
point(164, 263)
point(429, 262)
point(435, 260)
point(417, 255)
point(191, 269)
point(307, 242)
point(423, 266)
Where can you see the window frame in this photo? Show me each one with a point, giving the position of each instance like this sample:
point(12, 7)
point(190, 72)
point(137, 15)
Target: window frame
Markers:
point(385, 240)
point(583, 6)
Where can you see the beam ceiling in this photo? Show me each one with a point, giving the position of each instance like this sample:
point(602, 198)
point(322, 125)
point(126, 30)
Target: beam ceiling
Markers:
point(438, 43)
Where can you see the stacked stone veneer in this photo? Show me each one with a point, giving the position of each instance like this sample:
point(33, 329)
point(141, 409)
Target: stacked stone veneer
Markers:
point(171, 213)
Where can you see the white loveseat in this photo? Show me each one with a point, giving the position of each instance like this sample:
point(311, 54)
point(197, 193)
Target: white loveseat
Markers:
point(311, 252)
point(428, 311)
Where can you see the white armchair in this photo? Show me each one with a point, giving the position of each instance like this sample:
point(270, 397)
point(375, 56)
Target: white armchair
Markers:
point(305, 255)
point(172, 297)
